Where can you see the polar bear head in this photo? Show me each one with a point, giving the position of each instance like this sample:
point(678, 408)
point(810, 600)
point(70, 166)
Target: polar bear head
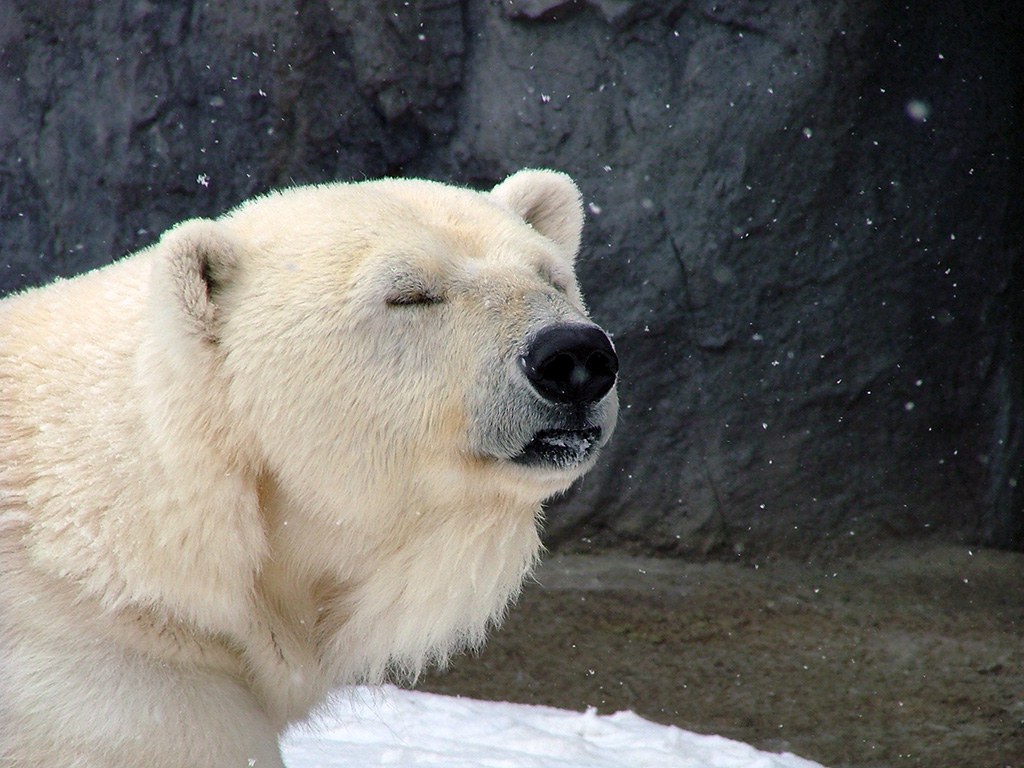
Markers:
point(401, 338)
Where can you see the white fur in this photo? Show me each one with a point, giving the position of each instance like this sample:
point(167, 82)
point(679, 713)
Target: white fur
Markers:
point(233, 477)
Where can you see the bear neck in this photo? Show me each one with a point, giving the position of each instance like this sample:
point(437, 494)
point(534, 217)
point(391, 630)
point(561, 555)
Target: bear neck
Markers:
point(382, 593)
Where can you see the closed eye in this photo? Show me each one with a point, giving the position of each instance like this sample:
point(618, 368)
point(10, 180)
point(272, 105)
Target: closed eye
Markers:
point(554, 271)
point(554, 278)
point(413, 290)
point(408, 298)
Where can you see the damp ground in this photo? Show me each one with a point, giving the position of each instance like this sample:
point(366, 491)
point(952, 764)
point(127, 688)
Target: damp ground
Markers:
point(910, 656)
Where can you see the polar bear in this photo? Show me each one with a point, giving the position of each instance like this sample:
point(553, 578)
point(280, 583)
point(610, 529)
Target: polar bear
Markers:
point(302, 445)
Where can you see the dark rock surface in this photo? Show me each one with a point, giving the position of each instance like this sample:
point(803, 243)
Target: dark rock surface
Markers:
point(805, 219)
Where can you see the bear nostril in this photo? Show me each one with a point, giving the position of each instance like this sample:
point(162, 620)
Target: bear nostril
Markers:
point(601, 364)
point(571, 363)
point(561, 367)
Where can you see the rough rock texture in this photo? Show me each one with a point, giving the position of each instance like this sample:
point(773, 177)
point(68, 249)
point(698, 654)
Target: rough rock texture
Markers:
point(805, 218)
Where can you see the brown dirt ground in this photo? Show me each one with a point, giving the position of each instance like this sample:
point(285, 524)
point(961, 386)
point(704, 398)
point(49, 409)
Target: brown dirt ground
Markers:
point(911, 656)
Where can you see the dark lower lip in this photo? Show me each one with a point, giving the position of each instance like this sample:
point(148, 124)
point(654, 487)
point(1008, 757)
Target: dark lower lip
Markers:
point(560, 448)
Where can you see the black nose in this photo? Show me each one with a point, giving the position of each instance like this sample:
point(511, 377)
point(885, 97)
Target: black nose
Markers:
point(571, 363)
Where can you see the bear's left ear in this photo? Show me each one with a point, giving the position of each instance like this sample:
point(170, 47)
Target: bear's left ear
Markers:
point(548, 201)
point(195, 260)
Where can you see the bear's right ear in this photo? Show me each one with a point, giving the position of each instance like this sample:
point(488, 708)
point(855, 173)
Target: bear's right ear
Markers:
point(195, 260)
point(549, 201)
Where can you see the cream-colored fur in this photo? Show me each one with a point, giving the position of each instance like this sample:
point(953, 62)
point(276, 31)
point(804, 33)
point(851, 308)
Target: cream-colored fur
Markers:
point(269, 456)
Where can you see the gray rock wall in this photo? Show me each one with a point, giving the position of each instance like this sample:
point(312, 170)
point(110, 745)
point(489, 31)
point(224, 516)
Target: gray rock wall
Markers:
point(805, 219)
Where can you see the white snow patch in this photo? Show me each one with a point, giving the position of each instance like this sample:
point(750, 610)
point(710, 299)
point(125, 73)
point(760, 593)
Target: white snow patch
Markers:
point(394, 727)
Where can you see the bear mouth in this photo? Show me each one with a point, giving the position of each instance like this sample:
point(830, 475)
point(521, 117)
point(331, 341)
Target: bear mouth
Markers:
point(560, 448)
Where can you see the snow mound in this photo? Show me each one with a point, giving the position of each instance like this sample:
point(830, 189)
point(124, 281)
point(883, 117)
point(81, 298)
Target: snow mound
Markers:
point(393, 727)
